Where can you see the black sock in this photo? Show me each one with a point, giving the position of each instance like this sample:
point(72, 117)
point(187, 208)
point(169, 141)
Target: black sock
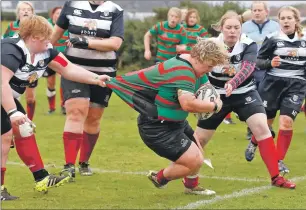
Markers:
point(40, 175)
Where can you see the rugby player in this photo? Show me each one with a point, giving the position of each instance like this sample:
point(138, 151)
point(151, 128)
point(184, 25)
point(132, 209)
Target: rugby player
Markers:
point(49, 73)
point(163, 94)
point(238, 93)
point(96, 32)
point(257, 29)
point(171, 37)
point(24, 9)
point(23, 60)
point(193, 29)
point(283, 55)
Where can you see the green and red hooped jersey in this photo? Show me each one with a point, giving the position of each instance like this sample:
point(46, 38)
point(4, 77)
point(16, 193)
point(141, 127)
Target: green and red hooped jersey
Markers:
point(167, 39)
point(12, 29)
point(192, 33)
point(154, 91)
point(62, 42)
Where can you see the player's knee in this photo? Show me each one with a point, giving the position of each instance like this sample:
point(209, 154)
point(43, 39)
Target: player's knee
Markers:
point(285, 122)
point(7, 137)
point(76, 114)
point(196, 163)
point(93, 121)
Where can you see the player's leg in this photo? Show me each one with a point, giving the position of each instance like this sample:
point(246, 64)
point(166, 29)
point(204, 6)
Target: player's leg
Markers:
point(31, 99)
point(63, 110)
point(76, 97)
point(6, 137)
point(99, 98)
point(51, 92)
point(290, 107)
point(254, 115)
point(228, 119)
point(270, 95)
point(28, 152)
point(168, 140)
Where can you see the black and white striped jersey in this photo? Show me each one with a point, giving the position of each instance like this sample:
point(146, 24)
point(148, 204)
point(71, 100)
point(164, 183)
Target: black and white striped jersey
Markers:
point(104, 21)
point(244, 50)
point(16, 57)
point(291, 51)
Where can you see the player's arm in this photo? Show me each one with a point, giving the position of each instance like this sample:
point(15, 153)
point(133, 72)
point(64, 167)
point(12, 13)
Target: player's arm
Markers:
point(70, 71)
point(147, 40)
point(265, 54)
point(116, 36)
point(247, 66)
point(183, 42)
point(61, 25)
point(190, 103)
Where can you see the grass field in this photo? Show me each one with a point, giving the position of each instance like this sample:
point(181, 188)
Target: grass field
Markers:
point(121, 161)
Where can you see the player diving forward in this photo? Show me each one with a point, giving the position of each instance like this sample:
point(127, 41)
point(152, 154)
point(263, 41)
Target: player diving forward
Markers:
point(23, 61)
point(164, 95)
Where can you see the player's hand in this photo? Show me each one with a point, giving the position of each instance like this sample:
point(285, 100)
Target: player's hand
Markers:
point(180, 48)
point(228, 89)
point(219, 103)
point(276, 61)
point(102, 79)
point(80, 42)
point(147, 55)
point(18, 118)
point(228, 70)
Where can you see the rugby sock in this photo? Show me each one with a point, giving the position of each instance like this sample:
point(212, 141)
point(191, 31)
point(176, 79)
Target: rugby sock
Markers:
point(51, 94)
point(228, 116)
point(254, 141)
point(28, 152)
point(2, 175)
point(87, 146)
point(269, 155)
point(191, 181)
point(161, 179)
point(283, 142)
point(31, 110)
point(72, 142)
point(62, 97)
point(40, 174)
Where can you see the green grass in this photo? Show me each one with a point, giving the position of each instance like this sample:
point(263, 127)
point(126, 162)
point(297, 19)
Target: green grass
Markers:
point(120, 148)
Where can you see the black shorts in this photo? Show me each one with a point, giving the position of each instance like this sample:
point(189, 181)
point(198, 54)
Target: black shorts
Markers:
point(5, 120)
point(49, 72)
point(284, 94)
point(33, 85)
point(97, 94)
point(245, 105)
point(167, 139)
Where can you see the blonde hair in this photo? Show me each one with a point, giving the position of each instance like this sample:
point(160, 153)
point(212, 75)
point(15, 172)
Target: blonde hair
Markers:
point(190, 12)
point(36, 26)
point(246, 16)
point(211, 50)
point(176, 10)
point(297, 17)
point(260, 2)
point(19, 5)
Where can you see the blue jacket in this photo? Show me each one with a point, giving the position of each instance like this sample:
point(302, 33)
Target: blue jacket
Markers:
point(258, 32)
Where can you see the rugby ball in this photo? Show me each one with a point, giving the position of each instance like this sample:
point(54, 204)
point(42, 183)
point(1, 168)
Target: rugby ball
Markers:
point(206, 93)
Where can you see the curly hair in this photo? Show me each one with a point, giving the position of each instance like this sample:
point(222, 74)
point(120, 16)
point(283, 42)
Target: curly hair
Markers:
point(211, 50)
point(297, 17)
point(36, 26)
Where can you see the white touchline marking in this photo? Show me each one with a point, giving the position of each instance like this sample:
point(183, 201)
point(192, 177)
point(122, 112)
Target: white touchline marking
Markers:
point(102, 171)
point(237, 194)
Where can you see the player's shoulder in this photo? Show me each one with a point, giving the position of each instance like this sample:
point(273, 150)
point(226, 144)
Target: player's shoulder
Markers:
point(113, 6)
point(248, 23)
point(246, 40)
point(273, 23)
point(273, 35)
point(13, 46)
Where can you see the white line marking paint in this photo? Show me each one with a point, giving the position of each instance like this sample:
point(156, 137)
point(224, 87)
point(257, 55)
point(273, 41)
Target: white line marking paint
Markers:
point(102, 171)
point(237, 194)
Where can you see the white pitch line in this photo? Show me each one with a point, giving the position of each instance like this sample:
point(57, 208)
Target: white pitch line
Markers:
point(237, 194)
point(102, 171)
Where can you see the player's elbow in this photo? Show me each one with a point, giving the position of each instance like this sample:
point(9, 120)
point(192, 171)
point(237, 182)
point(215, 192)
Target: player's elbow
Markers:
point(186, 105)
point(116, 43)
